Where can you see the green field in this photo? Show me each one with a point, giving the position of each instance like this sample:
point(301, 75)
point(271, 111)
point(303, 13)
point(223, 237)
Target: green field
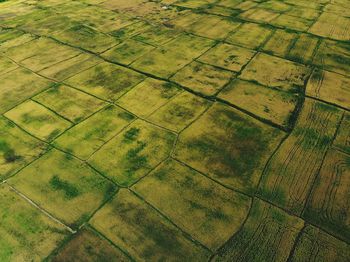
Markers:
point(175, 130)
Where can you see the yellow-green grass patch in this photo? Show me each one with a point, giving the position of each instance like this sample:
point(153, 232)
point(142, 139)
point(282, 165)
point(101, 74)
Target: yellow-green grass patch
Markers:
point(330, 87)
point(289, 175)
point(156, 35)
point(194, 4)
point(245, 5)
point(328, 205)
point(19, 40)
point(6, 65)
point(70, 67)
point(316, 245)
point(41, 53)
point(203, 78)
point(250, 35)
point(131, 30)
point(147, 96)
point(18, 85)
point(88, 246)
point(87, 38)
point(304, 12)
point(292, 22)
point(106, 81)
point(212, 26)
point(69, 102)
point(209, 212)
point(134, 152)
point(268, 235)
point(180, 111)
point(273, 105)
point(333, 26)
point(276, 72)
point(140, 230)
point(276, 6)
point(180, 51)
point(229, 3)
point(65, 187)
point(127, 52)
point(38, 120)
point(280, 42)
point(229, 146)
point(304, 48)
point(88, 136)
point(333, 56)
point(227, 56)
point(259, 15)
point(342, 140)
point(27, 234)
point(17, 148)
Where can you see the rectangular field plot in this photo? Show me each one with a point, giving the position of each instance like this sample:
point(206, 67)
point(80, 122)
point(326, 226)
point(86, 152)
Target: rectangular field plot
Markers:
point(329, 87)
point(156, 36)
point(88, 136)
point(267, 235)
point(273, 105)
point(280, 42)
point(316, 245)
point(87, 38)
point(38, 120)
point(259, 15)
point(329, 204)
point(63, 186)
point(180, 111)
point(342, 140)
point(137, 228)
point(250, 35)
point(41, 53)
point(202, 78)
point(127, 52)
point(134, 152)
point(89, 246)
point(70, 67)
point(333, 56)
point(180, 51)
point(18, 85)
point(206, 210)
point(69, 102)
point(290, 173)
point(147, 96)
point(106, 81)
point(276, 72)
point(292, 22)
point(227, 56)
point(228, 146)
point(214, 27)
point(304, 49)
point(17, 148)
point(6, 65)
point(333, 26)
point(27, 234)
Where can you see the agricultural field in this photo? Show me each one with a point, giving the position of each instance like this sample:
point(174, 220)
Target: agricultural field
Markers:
point(175, 130)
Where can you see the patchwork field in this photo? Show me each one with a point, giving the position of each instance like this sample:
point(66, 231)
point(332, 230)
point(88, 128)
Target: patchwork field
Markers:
point(175, 130)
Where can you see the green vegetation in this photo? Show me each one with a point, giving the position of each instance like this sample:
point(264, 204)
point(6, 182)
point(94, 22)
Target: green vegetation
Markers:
point(174, 130)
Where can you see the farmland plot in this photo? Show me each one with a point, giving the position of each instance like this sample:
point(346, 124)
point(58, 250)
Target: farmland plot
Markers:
point(26, 233)
point(267, 235)
point(142, 232)
point(228, 146)
point(316, 245)
point(64, 186)
point(329, 202)
point(288, 177)
point(174, 130)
